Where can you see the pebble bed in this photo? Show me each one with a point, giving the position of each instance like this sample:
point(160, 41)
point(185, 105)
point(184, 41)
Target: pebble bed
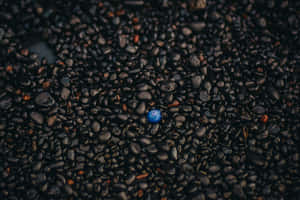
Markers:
point(78, 78)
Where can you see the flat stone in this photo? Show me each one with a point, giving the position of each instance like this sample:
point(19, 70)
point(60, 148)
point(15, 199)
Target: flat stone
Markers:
point(186, 31)
point(135, 148)
point(141, 108)
point(196, 81)
point(44, 99)
point(145, 95)
point(65, 93)
point(200, 132)
point(96, 126)
point(194, 61)
point(168, 86)
point(105, 136)
point(37, 117)
point(5, 103)
point(51, 120)
point(198, 26)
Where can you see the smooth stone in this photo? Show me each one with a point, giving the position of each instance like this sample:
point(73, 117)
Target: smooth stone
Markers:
point(123, 196)
point(143, 87)
point(274, 93)
point(274, 129)
point(196, 81)
point(207, 86)
point(168, 87)
point(204, 96)
point(162, 156)
point(129, 180)
point(101, 40)
point(259, 110)
point(69, 62)
point(174, 153)
point(71, 155)
point(199, 4)
point(200, 132)
point(152, 149)
point(186, 31)
point(214, 169)
point(105, 136)
point(37, 117)
point(145, 95)
point(96, 126)
point(44, 99)
point(179, 120)
point(212, 195)
point(198, 26)
point(65, 93)
point(131, 49)
point(135, 148)
point(123, 117)
point(194, 61)
point(51, 120)
point(204, 180)
point(141, 109)
point(262, 22)
point(145, 141)
point(5, 103)
point(122, 41)
point(134, 3)
point(68, 189)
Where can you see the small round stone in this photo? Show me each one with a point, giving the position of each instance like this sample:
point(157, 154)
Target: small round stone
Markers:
point(154, 116)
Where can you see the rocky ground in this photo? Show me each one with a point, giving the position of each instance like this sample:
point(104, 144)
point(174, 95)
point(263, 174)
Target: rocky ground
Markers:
point(77, 79)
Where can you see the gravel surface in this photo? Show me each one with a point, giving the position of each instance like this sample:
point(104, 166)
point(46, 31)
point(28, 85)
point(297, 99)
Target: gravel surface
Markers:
point(77, 79)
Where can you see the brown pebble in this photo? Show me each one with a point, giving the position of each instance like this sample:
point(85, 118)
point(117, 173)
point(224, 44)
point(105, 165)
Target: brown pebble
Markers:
point(51, 120)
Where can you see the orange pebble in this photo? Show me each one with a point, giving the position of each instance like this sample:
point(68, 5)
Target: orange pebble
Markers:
point(41, 69)
point(25, 52)
point(260, 69)
point(277, 43)
point(124, 107)
point(264, 118)
point(136, 38)
point(46, 84)
point(120, 12)
point(164, 198)
point(30, 132)
point(135, 20)
point(80, 172)
point(18, 92)
point(111, 14)
point(100, 4)
point(26, 97)
point(140, 193)
point(174, 104)
point(9, 68)
point(61, 63)
point(66, 129)
point(70, 182)
point(142, 176)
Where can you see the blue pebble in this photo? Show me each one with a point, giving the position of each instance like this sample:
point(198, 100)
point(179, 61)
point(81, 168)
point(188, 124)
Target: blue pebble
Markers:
point(154, 116)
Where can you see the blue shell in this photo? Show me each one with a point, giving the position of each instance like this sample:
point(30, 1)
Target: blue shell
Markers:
point(154, 116)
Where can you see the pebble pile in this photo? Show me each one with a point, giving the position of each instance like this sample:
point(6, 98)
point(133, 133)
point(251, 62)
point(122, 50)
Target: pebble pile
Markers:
point(223, 74)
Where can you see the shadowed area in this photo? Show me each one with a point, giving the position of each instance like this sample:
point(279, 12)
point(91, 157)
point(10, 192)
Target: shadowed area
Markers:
point(43, 51)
